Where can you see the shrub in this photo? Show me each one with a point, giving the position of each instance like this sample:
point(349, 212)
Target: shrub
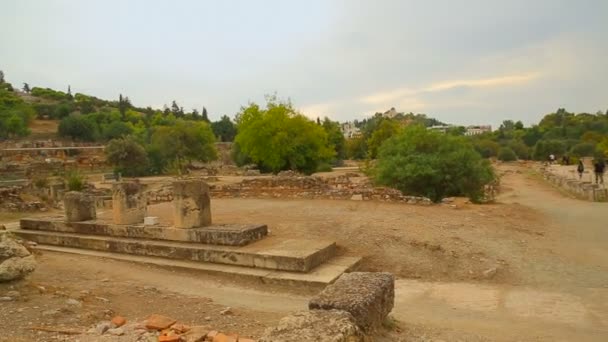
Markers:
point(75, 181)
point(521, 150)
point(583, 150)
point(77, 127)
point(544, 148)
point(506, 154)
point(426, 163)
point(487, 148)
point(127, 156)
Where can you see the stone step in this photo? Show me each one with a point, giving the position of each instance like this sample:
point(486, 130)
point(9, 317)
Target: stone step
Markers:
point(225, 234)
point(317, 278)
point(270, 253)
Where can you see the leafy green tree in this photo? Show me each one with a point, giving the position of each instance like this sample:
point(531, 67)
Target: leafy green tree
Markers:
point(205, 115)
point(127, 156)
point(224, 129)
point(521, 150)
point(386, 129)
point(425, 163)
point(2, 77)
point(356, 148)
point(544, 148)
point(506, 154)
point(335, 137)
point(583, 149)
point(519, 125)
point(26, 88)
point(278, 138)
point(116, 129)
point(77, 127)
point(486, 147)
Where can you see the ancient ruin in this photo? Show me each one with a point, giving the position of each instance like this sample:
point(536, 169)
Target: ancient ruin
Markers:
point(192, 204)
point(129, 203)
point(79, 207)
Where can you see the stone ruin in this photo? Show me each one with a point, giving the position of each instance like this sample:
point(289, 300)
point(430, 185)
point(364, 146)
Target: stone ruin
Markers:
point(191, 203)
point(129, 203)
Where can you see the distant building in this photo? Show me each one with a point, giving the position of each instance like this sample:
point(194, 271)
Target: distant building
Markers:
point(391, 113)
point(476, 130)
point(440, 128)
point(349, 130)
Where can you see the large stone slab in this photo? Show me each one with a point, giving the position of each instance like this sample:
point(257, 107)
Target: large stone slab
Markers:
point(129, 203)
point(191, 203)
point(368, 296)
point(315, 325)
point(270, 253)
point(223, 234)
point(79, 207)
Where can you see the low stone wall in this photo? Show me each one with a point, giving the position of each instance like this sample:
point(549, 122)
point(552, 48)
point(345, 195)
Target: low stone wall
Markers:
point(580, 189)
point(296, 187)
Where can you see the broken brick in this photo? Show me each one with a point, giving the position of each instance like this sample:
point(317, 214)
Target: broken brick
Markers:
point(174, 338)
point(159, 322)
point(119, 321)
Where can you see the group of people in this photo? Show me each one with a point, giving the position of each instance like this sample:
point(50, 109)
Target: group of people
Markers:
point(599, 167)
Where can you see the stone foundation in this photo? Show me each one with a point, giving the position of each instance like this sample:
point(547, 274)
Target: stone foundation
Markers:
point(129, 203)
point(315, 325)
point(191, 203)
point(580, 189)
point(368, 297)
point(79, 207)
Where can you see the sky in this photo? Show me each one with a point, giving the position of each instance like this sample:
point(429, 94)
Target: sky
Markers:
point(462, 62)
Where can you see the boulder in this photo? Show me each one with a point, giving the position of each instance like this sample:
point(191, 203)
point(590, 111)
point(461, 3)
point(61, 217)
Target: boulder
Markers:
point(315, 325)
point(15, 260)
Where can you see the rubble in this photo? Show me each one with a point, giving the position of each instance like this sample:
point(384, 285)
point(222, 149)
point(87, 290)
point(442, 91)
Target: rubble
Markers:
point(315, 325)
point(15, 260)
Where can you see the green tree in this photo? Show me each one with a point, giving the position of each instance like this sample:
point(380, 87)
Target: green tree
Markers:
point(486, 147)
point(127, 156)
point(583, 149)
point(386, 129)
point(2, 77)
point(544, 148)
point(278, 138)
point(205, 115)
point(77, 127)
point(521, 150)
point(116, 129)
point(224, 129)
point(425, 163)
point(506, 154)
point(26, 88)
point(356, 148)
point(335, 137)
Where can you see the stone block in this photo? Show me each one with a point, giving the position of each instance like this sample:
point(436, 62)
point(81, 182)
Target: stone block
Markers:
point(191, 203)
point(150, 221)
point(129, 203)
point(369, 297)
point(315, 325)
point(79, 207)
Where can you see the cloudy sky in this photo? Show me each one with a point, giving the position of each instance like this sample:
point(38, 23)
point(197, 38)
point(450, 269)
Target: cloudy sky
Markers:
point(464, 62)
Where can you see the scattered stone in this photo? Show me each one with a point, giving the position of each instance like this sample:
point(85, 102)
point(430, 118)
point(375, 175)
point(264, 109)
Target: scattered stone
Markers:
point(207, 318)
point(369, 297)
point(226, 311)
point(357, 197)
point(51, 312)
point(102, 327)
point(196, 334)
point(6, 299)
point(41, 289)
point(315, 325)
point(166, 338)
point(159, 322)
point(73, 302)
point(15, 260)
point(105, 280)
point(14, 294)
point(105, 300)
point(118, 321)
point(180, 328)
point(116, 331)
point(490, 272)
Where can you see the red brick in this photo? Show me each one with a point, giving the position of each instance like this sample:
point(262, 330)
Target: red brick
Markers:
point(159, 322)
point(174, 338)
point(119, 321)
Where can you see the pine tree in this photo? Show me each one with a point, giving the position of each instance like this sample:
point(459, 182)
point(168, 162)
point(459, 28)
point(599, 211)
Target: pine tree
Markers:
point(195, 114)
point(26, 88)
point(122, 106)
point(174, 108)
point(69, 90)
point(318, 121)
point(1, 76)
point(205, 116)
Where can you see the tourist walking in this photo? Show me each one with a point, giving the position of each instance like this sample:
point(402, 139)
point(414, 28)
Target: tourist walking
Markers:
point(599, 168)
point(580, 169)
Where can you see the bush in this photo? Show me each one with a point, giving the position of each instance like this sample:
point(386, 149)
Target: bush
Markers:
point(521, 150)
point(544, 148)
point(583, 150)
point(127, 156)
point(77, 127)
point(425, 163)
point(75, 181)
point(506, 154)
point(487, 148)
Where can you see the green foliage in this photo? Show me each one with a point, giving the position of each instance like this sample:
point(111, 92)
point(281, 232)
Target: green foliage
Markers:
point(78, 127)
point(335, 137)
point(386, 129)
point(278, 138)
point(425, 163)
point(50, 94)
point(116, 129)
point(544, 148)
point(486, 148)
point(506, 154)
point(15, 114)
point(356, 148)
point(75, 181)
point(521, 150)
point(127, 156)
point(224, 129)
point(584, 149)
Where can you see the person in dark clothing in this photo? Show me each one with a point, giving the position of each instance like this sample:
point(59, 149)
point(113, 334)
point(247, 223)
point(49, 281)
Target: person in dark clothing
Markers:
point(580, 169)
point(599, 168)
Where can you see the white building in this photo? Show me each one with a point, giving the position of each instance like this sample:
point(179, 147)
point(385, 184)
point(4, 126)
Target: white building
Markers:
point(440, 128)
point(476, 130)
point(349, 130)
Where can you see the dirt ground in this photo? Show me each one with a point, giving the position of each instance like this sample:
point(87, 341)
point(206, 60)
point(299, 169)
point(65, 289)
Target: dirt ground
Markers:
point(531, 267)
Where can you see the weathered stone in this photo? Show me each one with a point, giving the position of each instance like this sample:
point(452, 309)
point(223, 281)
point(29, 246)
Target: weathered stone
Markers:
point(129, 203)
point(102, 327)
point(116, 331)
point(315, 325)
point(159, 322)
point(118, 321)
point(79, 207)
point(15, 260)
point(368, 296)
point(192, 204)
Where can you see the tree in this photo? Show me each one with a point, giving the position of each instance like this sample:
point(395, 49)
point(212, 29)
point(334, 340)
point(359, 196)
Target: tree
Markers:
point(318, 121)
point(486, 147)
point(127, 156)
point(69, 90)
point(116, 129)
point(584, 149)
point(335, 137)
point(544, 148)
point(77, 127)
point(521, 150)
point(175, 109)
point(123, 105)
point(26, 88)
point(195, 114)
point(279, 138)
point(224, 129)
point(426, 163)
point(205, 115)
point(506, 154)
point(386, 129)
point(356, 148)
point(519, 125)
point(2, 77)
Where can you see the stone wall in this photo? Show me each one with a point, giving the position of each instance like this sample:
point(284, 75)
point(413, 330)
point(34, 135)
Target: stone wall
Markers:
point(567, 180)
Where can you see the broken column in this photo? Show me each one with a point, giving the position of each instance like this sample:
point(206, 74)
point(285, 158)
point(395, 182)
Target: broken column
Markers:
point(129, 203)
point(79, 207)
point(191, 204)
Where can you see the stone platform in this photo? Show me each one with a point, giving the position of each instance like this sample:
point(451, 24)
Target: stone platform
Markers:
point(225, 234)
